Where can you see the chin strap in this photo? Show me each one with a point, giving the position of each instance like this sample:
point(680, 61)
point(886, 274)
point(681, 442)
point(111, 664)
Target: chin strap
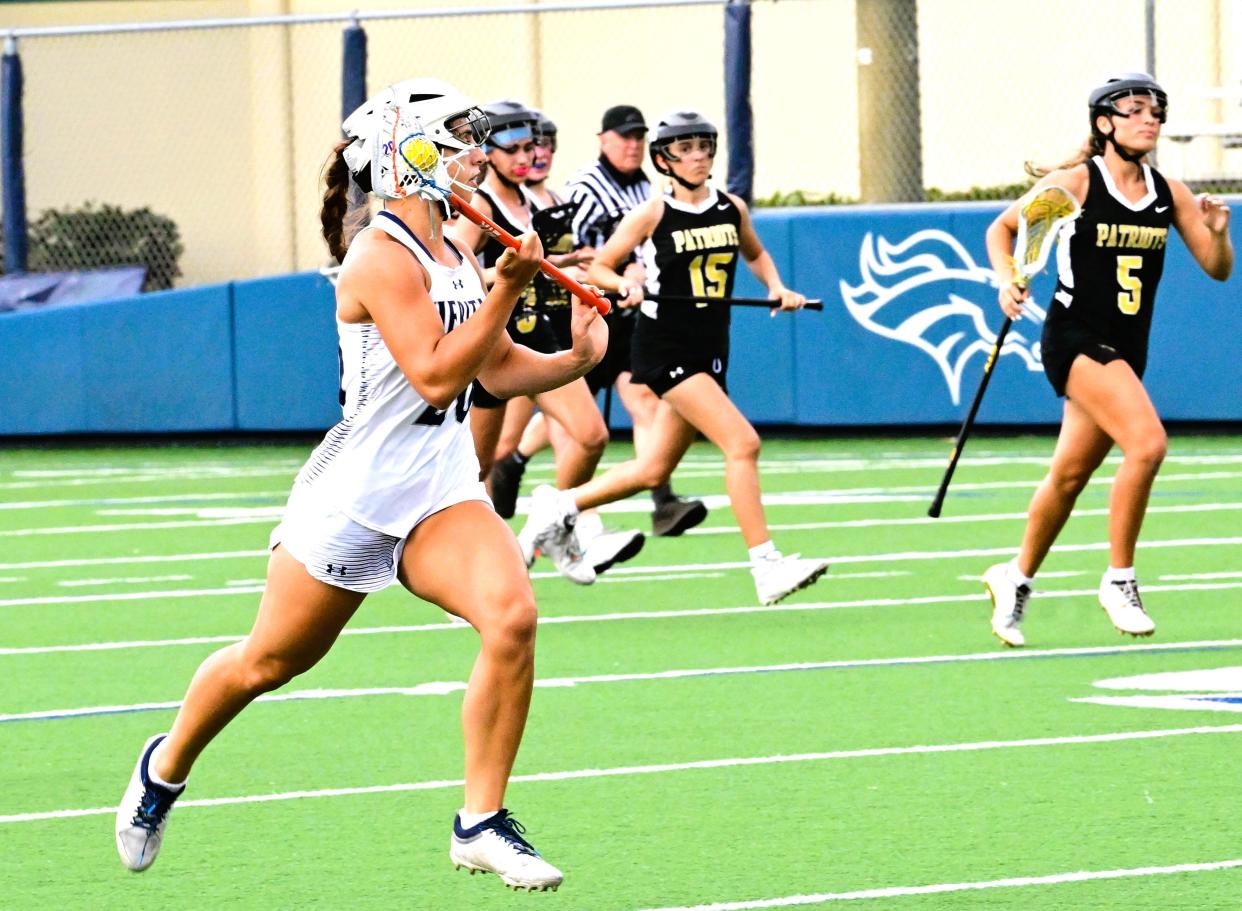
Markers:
point(1122, 152)
point(507, 183)
point(685, 183)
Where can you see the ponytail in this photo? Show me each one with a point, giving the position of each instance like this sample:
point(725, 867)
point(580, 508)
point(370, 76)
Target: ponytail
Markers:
point(336, 201)
point(1092, 147)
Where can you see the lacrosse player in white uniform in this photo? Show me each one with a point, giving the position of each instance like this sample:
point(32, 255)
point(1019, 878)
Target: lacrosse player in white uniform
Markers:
point(393, 493)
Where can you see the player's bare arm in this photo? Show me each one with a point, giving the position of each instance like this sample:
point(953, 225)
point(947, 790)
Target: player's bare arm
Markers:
point(1203, 222)
point(1003, 231)
point(634, 228)
point(438, 365)
point(513, 370)
point(761, 262)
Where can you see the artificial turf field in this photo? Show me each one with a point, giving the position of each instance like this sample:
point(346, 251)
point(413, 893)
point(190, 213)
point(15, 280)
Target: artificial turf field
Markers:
point(867, 740)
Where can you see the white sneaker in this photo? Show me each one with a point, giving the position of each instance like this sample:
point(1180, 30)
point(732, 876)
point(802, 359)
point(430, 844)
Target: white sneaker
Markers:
point(777, 579)
point(610, 547)
point(551, 532)
point(496, 846)
point(1008, 605)
point(143, 813)
point(1124, 607)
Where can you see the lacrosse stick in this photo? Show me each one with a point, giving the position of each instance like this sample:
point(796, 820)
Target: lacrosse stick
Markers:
point(731, 301)
point(577, 290)
point(1039, 222)
point(423, 158)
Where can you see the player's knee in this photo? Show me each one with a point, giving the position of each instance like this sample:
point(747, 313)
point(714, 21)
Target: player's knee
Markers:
point(745, 447)
point(594, 438)
point(264, 673)
point(1150, 449)
point(653, 473)
point(1070, 479)
point(510, 624)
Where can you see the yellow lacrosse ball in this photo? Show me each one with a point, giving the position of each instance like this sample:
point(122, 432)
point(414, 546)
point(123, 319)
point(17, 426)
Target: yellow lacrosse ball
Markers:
point(420, 153)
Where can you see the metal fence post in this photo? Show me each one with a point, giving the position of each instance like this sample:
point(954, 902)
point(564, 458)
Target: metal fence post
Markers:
point(14, 174)
point(889, 120)
point(353, 94)
point(739, 119)
point(353, 68)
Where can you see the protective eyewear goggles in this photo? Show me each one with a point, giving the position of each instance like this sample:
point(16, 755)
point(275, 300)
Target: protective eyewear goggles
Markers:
point(471, 127)
point(677, 149)
point(1133, 105)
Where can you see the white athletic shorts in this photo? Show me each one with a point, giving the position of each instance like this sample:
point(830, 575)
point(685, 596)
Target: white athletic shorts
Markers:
point(341, 552)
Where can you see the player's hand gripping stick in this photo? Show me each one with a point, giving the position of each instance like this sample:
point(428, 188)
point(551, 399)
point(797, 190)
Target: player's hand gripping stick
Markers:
point(575, 288)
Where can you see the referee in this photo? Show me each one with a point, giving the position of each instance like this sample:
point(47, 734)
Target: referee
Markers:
point(604, 191)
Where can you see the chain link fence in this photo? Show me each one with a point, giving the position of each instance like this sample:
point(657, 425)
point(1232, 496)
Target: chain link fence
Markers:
point(198, 152)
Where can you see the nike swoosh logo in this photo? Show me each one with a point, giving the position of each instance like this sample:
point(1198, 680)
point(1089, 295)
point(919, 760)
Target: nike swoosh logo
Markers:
point(723, 206)
point(1162, 208)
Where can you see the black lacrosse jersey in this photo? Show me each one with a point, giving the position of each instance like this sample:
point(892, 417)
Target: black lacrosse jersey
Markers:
point(693, 251)
point(554, 225)
point(1110, 262)
point(493, 249)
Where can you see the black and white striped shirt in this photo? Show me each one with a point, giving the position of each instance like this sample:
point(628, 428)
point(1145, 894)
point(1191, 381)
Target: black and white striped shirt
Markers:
point(603, 195)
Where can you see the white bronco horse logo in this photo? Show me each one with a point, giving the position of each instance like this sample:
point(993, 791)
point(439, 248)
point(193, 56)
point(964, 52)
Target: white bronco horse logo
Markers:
point(905, 295)
point(1216, 689)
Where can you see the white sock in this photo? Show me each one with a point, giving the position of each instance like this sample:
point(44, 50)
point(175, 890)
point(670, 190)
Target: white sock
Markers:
point(765, 551)
point(1125, 574)
point(565, 502)
point(1015, 575)
point(470, 820)
point(151, 773)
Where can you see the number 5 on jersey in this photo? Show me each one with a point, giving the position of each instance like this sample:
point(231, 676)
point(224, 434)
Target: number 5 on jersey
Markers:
point(1131, 299)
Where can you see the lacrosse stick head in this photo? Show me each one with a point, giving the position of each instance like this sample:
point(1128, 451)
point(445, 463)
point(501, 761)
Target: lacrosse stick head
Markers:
point(1039, 221)
point(397, 136)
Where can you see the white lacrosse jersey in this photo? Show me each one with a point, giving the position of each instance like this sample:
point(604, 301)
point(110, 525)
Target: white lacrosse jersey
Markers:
point(393, 456)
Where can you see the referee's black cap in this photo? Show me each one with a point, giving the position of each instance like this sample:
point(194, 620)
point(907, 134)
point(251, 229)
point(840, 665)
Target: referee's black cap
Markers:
point(623, 118)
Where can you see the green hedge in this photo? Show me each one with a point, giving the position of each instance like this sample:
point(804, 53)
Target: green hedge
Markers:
point(97, 236)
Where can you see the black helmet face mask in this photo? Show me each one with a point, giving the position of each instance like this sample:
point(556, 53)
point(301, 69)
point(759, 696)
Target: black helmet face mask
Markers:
point(677, 149)
point(1133, 103)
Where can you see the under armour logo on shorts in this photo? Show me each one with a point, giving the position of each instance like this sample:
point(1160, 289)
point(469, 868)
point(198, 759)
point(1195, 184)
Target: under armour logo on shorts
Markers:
point(336, 570)
point(676, 372)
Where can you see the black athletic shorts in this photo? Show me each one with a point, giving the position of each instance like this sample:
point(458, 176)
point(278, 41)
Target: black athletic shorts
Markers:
point(531, 328)
point(558, 320)
point(1062, 341)
point(661, 366)
point(616, 359)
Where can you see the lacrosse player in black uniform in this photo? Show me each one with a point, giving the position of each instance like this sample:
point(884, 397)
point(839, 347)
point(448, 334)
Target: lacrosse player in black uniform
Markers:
point(681, 351)
point(540, 322)
point(1095, 336)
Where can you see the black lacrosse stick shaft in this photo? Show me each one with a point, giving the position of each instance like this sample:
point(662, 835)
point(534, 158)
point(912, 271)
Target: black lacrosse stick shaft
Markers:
point(969, 423)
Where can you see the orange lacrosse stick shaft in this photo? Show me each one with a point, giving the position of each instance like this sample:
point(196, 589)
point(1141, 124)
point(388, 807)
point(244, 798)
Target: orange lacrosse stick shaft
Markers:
point(573, 287)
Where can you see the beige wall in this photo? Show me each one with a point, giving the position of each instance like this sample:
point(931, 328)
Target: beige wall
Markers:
point(226, 130)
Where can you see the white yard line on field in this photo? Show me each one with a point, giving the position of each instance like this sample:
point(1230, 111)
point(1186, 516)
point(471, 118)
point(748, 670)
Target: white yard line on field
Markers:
point(954, 520)
point(124, 580)
point(123, 561)
point(681, 569)
point(658, 577)
point(445, 687)
point(705, 764)
point(1013, 882)
point(268, 514)
point(1177, 577)
point(170, 498)
point(196, 473)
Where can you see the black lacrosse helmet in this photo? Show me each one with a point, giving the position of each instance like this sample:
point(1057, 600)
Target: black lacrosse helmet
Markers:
point(675, 126)
point(1104, 97)
point(545, 126)
point(511, 122)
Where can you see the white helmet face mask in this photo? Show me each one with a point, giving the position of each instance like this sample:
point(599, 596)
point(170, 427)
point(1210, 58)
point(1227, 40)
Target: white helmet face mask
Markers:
point(400, 131)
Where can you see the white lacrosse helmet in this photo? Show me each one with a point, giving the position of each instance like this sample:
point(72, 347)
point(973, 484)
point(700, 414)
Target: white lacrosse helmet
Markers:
point(390, 155)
